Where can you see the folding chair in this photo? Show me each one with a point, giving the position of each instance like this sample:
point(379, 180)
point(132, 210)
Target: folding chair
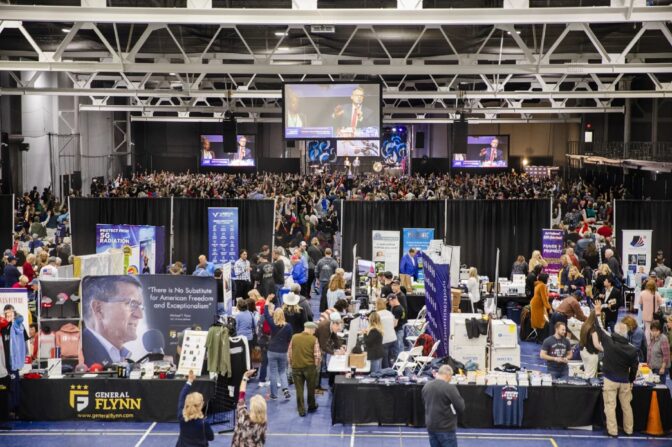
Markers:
point(406, 359)
point(424, 360)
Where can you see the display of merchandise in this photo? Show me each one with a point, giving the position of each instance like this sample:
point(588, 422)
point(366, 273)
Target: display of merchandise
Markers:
point(507, 404)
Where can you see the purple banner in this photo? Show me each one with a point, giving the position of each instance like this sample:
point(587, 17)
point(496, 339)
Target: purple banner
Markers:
point(551, 249)
point(438, 301)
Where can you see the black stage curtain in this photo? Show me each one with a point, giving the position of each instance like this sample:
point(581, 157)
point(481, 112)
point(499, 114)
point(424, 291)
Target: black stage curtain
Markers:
point(85, 213)
point(190, 226)
point(361, 218)
point(653, 215)
point(479, 227)
point(6, 228)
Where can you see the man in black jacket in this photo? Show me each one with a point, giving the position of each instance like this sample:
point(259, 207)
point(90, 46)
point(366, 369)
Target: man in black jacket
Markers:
point(620, 369)
point(278, 270)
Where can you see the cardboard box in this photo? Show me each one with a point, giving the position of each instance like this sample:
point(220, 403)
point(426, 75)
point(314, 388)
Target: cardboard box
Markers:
point(466, 353)
point(500, 356)
point(458, 331)
point(504, 334)
point(357, 361)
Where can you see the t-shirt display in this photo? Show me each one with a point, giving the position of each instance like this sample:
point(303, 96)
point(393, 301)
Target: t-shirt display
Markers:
point(507, 404)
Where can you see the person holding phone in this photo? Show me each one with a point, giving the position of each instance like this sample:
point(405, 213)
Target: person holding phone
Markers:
point(194, 429)
point(14, 348)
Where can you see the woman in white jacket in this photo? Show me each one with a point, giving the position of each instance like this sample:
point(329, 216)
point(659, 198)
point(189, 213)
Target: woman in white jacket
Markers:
point(473, 288)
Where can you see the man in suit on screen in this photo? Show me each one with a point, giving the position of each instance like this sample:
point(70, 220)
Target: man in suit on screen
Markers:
point(352, 118)
point(491, 155)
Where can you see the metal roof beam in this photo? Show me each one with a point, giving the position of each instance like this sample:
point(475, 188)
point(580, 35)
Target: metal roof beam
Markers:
point(335, 70)
point(235, 16)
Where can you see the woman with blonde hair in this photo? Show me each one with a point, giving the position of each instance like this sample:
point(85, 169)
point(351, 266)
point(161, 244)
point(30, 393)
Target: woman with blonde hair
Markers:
point(336, 290)
point(250, 424)
point(194, 429)
point(373, 340)
point(281, 335)
point(473, 288)
point(649, 302)
point(535, 260)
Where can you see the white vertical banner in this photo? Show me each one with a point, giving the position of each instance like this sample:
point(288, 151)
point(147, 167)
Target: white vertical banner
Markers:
point(226, 287)
point(385, 247)
point(636, 254)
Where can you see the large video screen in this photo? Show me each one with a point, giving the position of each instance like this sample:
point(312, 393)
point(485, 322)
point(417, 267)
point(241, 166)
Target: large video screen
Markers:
point(213, 152)
point(358, 148)
point(331, 111)
point(484, 151)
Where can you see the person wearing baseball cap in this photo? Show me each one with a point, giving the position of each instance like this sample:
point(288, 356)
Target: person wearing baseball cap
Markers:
point(400, 319)
point(304, 356)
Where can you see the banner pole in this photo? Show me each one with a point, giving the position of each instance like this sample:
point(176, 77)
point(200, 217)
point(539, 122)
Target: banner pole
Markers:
point(172, 234)
point(275, 215)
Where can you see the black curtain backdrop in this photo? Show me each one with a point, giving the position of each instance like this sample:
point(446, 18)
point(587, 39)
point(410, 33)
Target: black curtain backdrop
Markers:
point(653, 215)
point(6, 223)
point(361, 218)
point(479, 227)
point(85, 213)
point(190, 226)
point(190, 222)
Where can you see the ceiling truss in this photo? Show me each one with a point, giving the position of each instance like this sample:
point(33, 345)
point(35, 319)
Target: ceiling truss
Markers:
point(520, 81)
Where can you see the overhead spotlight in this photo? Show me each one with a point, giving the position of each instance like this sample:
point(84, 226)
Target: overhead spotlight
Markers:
point(283, 48)
point(509, 32)
point(525, 161)
point(172, 74)
point(394, 129)
point(65, 30)
point(281, 33)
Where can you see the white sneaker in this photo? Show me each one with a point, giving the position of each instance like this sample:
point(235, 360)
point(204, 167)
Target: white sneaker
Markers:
point(267, 383)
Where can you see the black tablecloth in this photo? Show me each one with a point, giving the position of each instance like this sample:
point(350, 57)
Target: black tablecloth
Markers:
point(105, 399)
point(558, 406)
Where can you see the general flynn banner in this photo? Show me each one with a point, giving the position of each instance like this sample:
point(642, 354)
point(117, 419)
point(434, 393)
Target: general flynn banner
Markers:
point(129, 316)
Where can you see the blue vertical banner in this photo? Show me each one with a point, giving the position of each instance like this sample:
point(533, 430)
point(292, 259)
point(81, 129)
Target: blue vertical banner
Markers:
point(223, 235)
point(438, 302)
point(419, 239)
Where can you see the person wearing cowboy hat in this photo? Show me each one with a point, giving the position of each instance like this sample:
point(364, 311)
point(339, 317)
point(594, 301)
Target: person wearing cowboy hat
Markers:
point(294, 314)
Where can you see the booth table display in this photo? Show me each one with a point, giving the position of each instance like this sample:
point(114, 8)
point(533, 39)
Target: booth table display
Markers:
point(106, 399)
point(558, 406)
point(339, 364)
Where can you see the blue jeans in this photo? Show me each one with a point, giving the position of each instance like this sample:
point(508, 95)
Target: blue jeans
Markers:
point(400, 341)
point(263, 369)
point(277, 364)
point(557, 374)
point(389, 350)
point(376, 365)
point(442, 439)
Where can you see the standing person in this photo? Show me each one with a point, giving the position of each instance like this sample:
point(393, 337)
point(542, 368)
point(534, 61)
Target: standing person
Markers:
point(373, 340)
point(636, 337)
point(400, 319)
point(327, 335)
point(241, 273)
point(204, 268)
point(408, 269)
point(194, 429)
point(336, 288)
point(658, 357)
point(540, 308)
point(304, 358)
point(613, 301)
point(443, 405)
point(264, 275)
point(389, 335)
point(251, 424)
point(614, 264)
point(314, 255)
point(519, 266)
point(11, 273)
point(557, 351)
point(281, 335)
point(531, 280)
point(300, 274)
point(245, 323)
point(355, 166)
point(303, 302)
point(278, 270)
point(324, 269)
point(14, 345)
point(536, 260)
point(590, 345)
point(649, 302)
point(473, 288)
point(620, 370)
